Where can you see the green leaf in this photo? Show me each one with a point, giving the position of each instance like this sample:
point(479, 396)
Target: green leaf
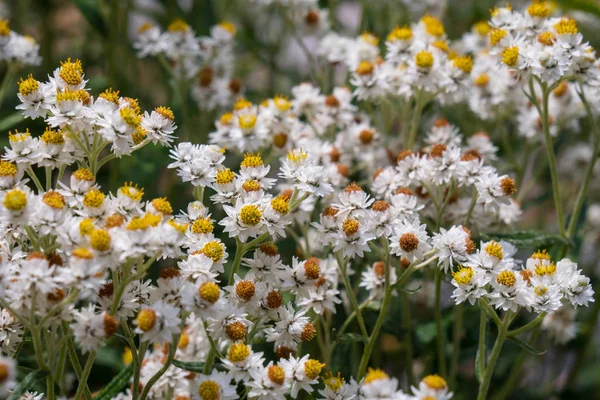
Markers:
point(116, 385)
point(409, 291)
point(525, 346)
point(478, 371)
point(192, 366)
point(11, 120)
point(531, 239)
point(28, 383)
point(93, 14)
point(351, 338)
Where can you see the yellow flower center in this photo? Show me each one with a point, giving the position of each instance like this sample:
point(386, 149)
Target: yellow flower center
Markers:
point(540, 290)
point(433, 26)
point(251, 186)
point(162, 205)
point(308, 332)
point(82, 252)
point(494, 249)
point(226, 119)
point(54, 199)
point(312, 368)
point(250, 214)
point(50, 136)
point(350, 226)
point(241, 104)
point(251, 160)
point(146, 26)
point(181, 228)
point(245, 290)
point(71, 72)
point(541, 255)
point(334, 383)
point(370, 38)
point(4, 28)
point(236, 331)
point(209, 291)
point(375, 375)
point(508, 186)
point(441, 45)
point(93, 199)
point(228, 26)
point(497, 35)
point(365, 68)
point(224, 176)
point(110, 95)
point(7, 168)
point(209, 390)
point(566, 26)
point(482, 28)
point(464, 63)
point(130, 117)
point(68, 95)
point(276, 374)
point(269, 249)
point(481, 80)
point(281, 205)
point(538, 9)
point(213, 250)
point(463, 275)
point(202, 226)
point(165, 112)
point(282, 103)
point(238, 352)
point(312, 268)
point(86, 227)
point(19, 136)
point(133, 192)
point(424, 59)
point(15, 200)
point(146, 319)
point(178, 25)
point(297, 156)
point(100, 240)
point(545, 269)
point(435, 382)
point(28, 85)
point(404, 33)
point(506, 278)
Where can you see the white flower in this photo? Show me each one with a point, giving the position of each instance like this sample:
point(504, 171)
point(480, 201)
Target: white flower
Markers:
point(451, 245)
point(470, 284)
point(158, 323)
point(410, 240)
point(217, 384)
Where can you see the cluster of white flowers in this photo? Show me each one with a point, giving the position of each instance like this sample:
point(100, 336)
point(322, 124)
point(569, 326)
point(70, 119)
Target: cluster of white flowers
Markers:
point(207, 62)
point(16, 48)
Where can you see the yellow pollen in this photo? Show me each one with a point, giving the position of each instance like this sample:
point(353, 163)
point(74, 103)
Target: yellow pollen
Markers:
point(93, 198)
point(252, 160)
point(209, 390)
point(210, 292)
point(241, 103)
point(297, 156)
point(541, 255)
point(409, 242)
point(130, 117)
point(202, 226)
point(545, 269)
point(226, 119)
point(404, 33)
point(7, 168)
point(312, 368)
point(370, 38)
point(540, 290)
point(375, 375)
point(496, 10)
point(100, 240)
point(350, 226)
point(334, 383)
point(4, 28)
point(127, 356)
point(19, 136)
point(15, 200)
point(162, 205)
point(139, 135)
point(508, 186)
point(178, 25)
point(50, 136)
point(441, 45)
point(245, 290)
point(54, 199)
point(365, 68)
point(435, 382)
point(86, 227)
point(146, 319)
point(165, 112)
point(131, 191)
point(276, 374)
point(281, 205)
point(181, 228)
point(228, 26)
point(251, 186)
point(68, 95)
point(433, 26)
point(83, 253)
point(464, 63)
point(247, 121)
point(150, 219)
point(238, 352)
point(282, 103)
point(424, 59)
point(114, 220)
point(269, 249)
point(463, 275)
point(497, 35)
point(538, 9)
point(84, 174)
point(110, 95)
point(250, 214)
point(146, 26)
point(566, 26)
point(506, 278)
point(28, 85)
point(494, 249)
point(482, 28)
point(133, 104)
point(213, 250)
point(312, 268)
point(308, 332)
point(71, 72)
point(236, 331)
point(224, 176)
point(481, 80)
point(184, 340)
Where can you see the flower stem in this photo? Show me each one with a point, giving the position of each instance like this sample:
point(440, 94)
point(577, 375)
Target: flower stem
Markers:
point(489, 370)
point(437, 312)
point(459, 313)
point(350, 292)
point(481, 346)
point(414, 123)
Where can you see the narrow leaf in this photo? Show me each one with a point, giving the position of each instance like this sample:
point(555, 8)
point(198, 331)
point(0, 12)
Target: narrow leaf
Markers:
point(351, 338)
point(531, 239)
point(525, 346)
point(28, 383)
point(116, 385)
point(478, 370)
point(192, 366)
point(10, 121)
point(93, 14)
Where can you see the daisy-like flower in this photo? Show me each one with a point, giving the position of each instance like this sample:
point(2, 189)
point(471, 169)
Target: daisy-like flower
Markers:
point(216, 386)
point(246, 294)
point(352, 237)
point(509, 291)
point(245, 220)
point(8, 379)
point(91, 328)
point(452, 246)
point(292, 327)
point(36, 97)
point(378, 385)
point(158, 323)
point(301, 277)
point(159, 125)
point(241, 360)
point(336, 388)
point(470, 284)
point(410, 240)
point(493, 190)
point(303, 373)
point(373, 279)
point(432, 386)
point(307, 177)
point(269, 383)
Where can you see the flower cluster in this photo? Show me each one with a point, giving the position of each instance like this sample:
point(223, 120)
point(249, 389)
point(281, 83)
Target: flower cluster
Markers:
point(16, 48)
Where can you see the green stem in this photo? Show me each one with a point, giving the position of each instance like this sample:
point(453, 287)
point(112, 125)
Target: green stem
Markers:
point(471, 207)
point(240, 249)
point(85, 375)
point(75, 360)
point(34, 178)
point(163, 369)
point(459, 313)
point(437, 312)
point(481, 347)
point(528, 326)
point(414, 123)
point(350, 292)
point(364, 362)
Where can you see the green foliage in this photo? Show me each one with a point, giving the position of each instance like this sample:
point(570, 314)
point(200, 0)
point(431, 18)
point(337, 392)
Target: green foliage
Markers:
point(529, 239)
point(28, 383)
point(116, 385)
